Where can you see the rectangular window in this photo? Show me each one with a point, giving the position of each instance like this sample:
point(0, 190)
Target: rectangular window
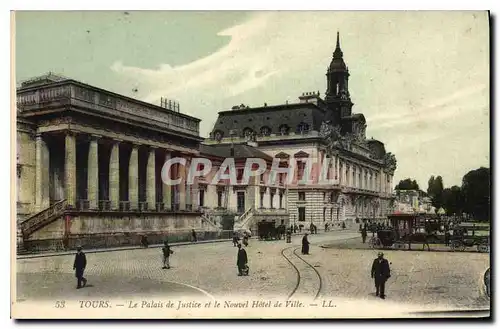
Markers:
point(302, 196)
point(300, 170)
point(271, 200)
point(239, 174)
point(262, 199)
point(219, 198)
point(302, 214)
point(324, 214)
point(281, 200)
point(202, 198)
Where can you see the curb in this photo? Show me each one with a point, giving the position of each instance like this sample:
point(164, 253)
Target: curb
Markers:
point(95, 251)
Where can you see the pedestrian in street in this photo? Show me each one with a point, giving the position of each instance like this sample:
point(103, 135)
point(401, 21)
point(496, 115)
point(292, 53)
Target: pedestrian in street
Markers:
point(381, 273)
point(193, 233)
point(236, 238)
point(79, 266)
point(343, 225)
point(289, 236)
point(363, 234)
point(166, 255)
point(447, 238)
point(305, 245)
point(245, 239)
point(326, 227)
point(242, 261)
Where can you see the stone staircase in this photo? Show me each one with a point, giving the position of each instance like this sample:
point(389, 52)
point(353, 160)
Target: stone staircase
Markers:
point(243, 221)
point(208, 218)
point(42, 219)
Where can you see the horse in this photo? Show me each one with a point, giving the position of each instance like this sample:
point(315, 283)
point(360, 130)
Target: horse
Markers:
point(422, 238)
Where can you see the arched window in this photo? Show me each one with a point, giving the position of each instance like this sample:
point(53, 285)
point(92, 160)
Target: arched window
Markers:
point(302, 128)
point(284, 130)
point(265, 131)
point(248, 133)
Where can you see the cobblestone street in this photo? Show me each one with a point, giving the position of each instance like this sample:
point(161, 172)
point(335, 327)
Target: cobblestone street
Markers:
point(448, 279)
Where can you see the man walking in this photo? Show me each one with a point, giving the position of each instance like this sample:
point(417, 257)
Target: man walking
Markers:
point(242, 261)
point(305, 245)
point(193, 234)
point(363, 234)
point(166, 255)
point(380, 272)
point(79, 267)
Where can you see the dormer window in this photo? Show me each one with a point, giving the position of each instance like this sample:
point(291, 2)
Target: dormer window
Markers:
point(302, 128)
point(284, 130)
point(265, 131)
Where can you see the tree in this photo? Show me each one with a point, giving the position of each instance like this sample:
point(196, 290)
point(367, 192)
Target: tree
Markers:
point(407, 184)
point(476, 193)
point(435, 191)
point(453, 200)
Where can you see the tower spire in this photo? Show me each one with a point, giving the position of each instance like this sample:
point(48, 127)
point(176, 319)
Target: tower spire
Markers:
point(338, 52)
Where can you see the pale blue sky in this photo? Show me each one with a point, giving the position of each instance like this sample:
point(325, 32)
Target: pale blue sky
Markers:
point(420, 78)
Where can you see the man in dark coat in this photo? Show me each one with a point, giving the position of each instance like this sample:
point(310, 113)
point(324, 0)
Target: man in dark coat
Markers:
point(380, 272)
point(166, 255)
point(242, 260)
point(305, 245)
point(193, 233)
point(363, 234)
point(79, 267)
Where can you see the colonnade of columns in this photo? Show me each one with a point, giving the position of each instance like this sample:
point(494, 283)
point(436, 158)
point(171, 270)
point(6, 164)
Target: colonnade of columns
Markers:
point(153, 200)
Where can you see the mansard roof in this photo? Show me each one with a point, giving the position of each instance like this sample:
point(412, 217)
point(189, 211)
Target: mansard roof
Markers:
point(273, 117)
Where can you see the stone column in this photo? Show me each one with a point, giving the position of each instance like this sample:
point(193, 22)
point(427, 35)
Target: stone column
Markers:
point(133, 178)
point(93, 173)
point(181, 188)
point(42, 174)
point(114, 175)
point(167, 189)
point(151, 179)
point(70, 168)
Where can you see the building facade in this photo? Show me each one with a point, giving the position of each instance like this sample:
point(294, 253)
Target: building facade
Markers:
point(326, 132)
point(89, 167)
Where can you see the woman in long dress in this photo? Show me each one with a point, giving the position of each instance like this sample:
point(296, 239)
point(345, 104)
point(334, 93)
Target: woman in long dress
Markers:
point(305, 245)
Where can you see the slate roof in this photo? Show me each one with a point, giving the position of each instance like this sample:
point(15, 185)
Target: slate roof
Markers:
point(241, 151)
point(270, 116)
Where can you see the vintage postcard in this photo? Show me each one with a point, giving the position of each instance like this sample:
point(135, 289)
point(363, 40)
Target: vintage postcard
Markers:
point(275, 165)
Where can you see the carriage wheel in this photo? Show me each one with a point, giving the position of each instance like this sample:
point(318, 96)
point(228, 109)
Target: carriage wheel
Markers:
point(398, 245)
point(374, 242)
point(483, 248)
point(455, 245)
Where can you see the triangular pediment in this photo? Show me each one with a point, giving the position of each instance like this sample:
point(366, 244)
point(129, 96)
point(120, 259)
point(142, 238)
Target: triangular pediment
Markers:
point(301, 154)
point(282, 155)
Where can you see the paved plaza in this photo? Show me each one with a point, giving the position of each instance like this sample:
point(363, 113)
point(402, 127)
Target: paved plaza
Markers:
point(450, 280)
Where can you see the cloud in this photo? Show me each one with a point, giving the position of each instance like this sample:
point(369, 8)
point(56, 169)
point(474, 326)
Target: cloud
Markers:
point(419, 78)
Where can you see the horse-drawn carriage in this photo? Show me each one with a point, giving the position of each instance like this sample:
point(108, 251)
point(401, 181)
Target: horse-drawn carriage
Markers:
point(269, 230)
point(461, 240)
point(386, 238)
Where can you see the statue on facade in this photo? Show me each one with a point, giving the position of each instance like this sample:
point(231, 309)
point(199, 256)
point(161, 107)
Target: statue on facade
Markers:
point(390, 162)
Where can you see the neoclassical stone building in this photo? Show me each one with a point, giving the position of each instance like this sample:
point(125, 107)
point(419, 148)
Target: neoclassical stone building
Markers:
point(360, 170)
point(89, 167)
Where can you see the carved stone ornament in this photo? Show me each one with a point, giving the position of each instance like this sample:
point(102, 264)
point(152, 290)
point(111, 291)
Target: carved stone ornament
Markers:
point(332, 136)
point(218, 136)
point(390, 163)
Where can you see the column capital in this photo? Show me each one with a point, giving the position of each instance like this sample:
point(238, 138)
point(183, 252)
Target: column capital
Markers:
point(94, 136)
point(70, 132)
point(153, 147)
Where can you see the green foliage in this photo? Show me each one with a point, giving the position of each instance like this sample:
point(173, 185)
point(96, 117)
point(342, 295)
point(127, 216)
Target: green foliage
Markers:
point(407, 184)
point(476, 193)
point(453, 200)
point(435, 191)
